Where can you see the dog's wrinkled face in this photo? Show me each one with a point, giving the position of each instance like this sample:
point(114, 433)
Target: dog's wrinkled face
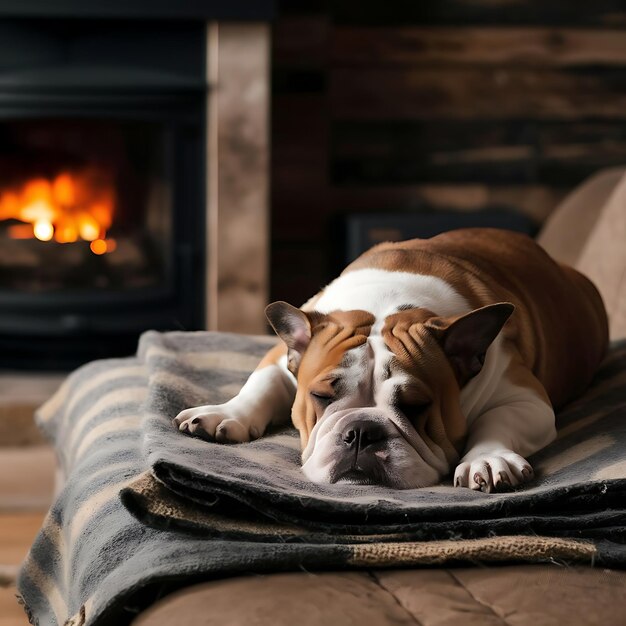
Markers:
point(378, 402)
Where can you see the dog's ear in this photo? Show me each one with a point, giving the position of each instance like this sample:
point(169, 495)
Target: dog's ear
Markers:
point(465, 339)
point(294, 327)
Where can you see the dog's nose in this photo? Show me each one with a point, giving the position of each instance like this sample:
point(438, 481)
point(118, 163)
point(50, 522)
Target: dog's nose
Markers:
point(362, 433)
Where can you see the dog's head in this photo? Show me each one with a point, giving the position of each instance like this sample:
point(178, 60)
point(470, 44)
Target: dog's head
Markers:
point(378, 402)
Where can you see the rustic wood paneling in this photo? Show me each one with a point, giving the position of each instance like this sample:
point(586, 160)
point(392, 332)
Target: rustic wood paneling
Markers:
point(301, 210)
point(300, 154)
point(300, 126)
point(535, 201)
point(511, 151)
point(419, 106)
point(301, 270)
point(300, 166)
point(301, 41)
point(419, 46)
point(470, 93)
point(609, 13)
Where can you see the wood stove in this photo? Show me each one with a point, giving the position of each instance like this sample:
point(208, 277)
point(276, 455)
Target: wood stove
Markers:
point(103, 179)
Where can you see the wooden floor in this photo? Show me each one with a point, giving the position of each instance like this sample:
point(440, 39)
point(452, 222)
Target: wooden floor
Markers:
point(17, 531)
point(27, 469)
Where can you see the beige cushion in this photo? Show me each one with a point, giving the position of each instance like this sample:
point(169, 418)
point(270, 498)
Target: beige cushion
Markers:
point(524, 595)
point(566, 230)
point(588, 231)
point(603, 258)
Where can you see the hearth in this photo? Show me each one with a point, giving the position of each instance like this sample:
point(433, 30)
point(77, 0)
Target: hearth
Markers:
point(84, 206)
point(102, 186)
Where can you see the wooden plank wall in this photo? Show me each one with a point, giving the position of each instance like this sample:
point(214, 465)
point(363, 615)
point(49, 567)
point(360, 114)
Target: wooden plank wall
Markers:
point(410, 106)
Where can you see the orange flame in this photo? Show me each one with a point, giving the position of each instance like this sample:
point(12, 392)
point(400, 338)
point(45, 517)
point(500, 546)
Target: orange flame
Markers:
point(71, 206)
point(102, 246)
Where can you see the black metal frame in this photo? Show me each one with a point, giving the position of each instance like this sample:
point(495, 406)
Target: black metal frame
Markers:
point(142, 9)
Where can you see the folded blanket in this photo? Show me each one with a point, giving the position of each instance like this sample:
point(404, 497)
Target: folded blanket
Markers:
point(147, 508)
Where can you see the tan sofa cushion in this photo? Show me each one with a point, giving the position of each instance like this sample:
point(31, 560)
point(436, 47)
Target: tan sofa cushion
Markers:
point(603, 258)
point(566, 230)
point(588, 231)
point(521, 595)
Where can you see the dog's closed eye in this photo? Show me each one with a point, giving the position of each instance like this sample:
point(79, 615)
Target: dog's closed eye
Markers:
point(321, 399)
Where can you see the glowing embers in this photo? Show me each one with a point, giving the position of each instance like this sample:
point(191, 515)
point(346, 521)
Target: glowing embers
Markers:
point(72, 206)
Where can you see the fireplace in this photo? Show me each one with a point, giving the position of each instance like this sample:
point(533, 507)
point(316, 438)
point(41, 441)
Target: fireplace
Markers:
point(85, 207)
point(102, 186)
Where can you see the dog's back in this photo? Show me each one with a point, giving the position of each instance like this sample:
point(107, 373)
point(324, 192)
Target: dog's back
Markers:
point(560, 327)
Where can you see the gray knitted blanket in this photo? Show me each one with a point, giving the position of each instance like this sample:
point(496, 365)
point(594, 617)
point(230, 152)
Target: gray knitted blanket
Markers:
point(146, 509)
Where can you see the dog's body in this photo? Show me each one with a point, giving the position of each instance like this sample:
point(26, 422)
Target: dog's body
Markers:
point(412, 363)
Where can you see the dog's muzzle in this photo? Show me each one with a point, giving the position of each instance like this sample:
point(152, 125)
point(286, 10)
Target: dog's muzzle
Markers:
point(362, 444)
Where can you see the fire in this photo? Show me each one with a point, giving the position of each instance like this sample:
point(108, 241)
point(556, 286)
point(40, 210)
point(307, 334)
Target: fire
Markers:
point(73, 205)
point(102, 246)
point(43, 230)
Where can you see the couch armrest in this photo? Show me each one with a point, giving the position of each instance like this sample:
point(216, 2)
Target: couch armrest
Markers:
point(566, 231)
point(588, 231)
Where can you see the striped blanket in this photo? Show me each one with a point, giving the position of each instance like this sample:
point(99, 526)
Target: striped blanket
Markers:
point(146, 509)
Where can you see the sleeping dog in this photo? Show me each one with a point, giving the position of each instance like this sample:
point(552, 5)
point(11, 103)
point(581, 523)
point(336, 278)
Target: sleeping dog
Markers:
point(423, 358)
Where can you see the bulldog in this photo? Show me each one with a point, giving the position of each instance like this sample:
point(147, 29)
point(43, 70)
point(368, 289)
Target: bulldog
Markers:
point(423, 358)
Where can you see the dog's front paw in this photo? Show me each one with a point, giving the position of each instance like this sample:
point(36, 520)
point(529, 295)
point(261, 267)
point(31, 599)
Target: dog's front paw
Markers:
point(221, 423)
point(495, 471)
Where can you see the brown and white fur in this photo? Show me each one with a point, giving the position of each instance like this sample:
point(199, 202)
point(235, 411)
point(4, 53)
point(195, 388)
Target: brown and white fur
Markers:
point(421, 358)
